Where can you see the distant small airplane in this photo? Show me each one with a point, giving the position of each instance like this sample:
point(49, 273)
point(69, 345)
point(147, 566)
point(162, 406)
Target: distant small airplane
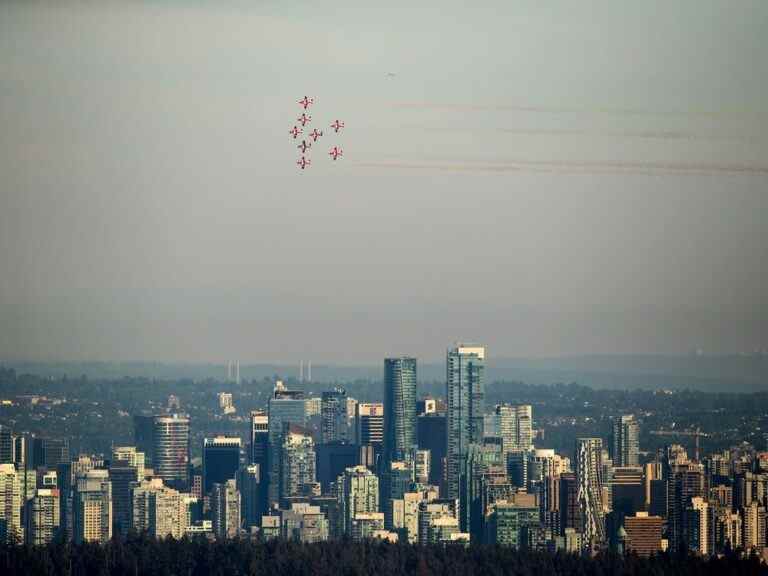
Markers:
point(338, 125)
point(306, 102)
point(295, 131)
point(391, 74)
point(315, 134)
point(303, 163)
point(335, 152)
point(304, 146)
point(304, 119)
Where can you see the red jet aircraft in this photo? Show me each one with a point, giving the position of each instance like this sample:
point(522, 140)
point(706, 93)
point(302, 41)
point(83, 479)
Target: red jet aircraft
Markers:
point(304, 146)
point(303, 163)
point(306, 102)
point(295, 131)
point(304, 119)
point(335, 152)
point(315, 134)
point(338, 125)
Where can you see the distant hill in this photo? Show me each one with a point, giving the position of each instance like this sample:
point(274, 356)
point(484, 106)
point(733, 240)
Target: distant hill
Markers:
point(705, 373)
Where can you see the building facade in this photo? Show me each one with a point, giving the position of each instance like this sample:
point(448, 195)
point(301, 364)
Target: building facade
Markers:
point(171, 450)
point(589, 474)
point(225, 510)
point(626, 441)
point(399, 408)
point(92, 507)
point(465, 394)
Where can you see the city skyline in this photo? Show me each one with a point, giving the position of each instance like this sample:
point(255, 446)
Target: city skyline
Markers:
point(293, 468)
point(391, 288)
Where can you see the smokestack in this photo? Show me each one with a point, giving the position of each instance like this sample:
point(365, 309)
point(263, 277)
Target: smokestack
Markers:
point(237, 377)
point(229, 370)
point(309, 370)
point(301, 370)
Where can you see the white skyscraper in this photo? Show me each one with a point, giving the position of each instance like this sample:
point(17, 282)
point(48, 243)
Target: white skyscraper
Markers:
point(515, 426)
point(158, 509)
point(42, 515)
point(92, 507)
point(358, 492)
point(589, 470)
point(10, 505)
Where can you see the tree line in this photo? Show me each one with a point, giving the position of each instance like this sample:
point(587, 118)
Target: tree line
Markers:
point(140, 555)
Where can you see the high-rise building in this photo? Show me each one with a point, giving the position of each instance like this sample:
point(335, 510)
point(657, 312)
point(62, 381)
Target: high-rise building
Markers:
point(66, 477)
point(365, 524)
point(22, 451)
point(297, 460)
point(92, 507)
point(131, 456)
point(626, 441)
point(729, 530)
point(480, 462)
point(699, 524)
point(144, 436)
point(369, 432)
point(433, 510)
point(405, 516)
point(333, 415)
point(49, 452)
point(394, 480)
point(313, 407)
point(754, 533)
point(221, 460)
point(643, 533)
point(259, 444)
point(285, 407)
point(627, 490)
point(589, 472)
point(333, 459)
point(421, 462)
point(432, 436)
point(685, 481)
point(158, 509)
point(369, 424)
point(507, 522)
point(123, 477)
point(399, 408)
point(515, 426)
point(252, 496)
point(517, 464)
point(6, 445)
point(226, 404)
point(225, 509)
point(171, 450)
point(41, 517)
point(358, 492)
point(465, 366)
point(304, 522)
point(10, 505)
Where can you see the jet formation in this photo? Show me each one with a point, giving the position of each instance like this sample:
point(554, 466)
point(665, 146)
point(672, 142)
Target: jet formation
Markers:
point(298, 130)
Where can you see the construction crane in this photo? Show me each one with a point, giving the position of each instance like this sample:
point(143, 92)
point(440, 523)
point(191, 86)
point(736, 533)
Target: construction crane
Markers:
point(695, 433)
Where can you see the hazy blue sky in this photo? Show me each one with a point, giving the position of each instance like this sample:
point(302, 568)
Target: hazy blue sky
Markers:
point(546, 178)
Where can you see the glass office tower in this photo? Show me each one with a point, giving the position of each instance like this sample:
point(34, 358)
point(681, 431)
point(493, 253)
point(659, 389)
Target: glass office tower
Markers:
point(399, 408)
point(465, 395)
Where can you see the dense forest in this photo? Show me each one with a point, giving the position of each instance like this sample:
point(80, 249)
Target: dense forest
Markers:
point(140, 555)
